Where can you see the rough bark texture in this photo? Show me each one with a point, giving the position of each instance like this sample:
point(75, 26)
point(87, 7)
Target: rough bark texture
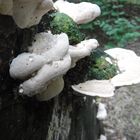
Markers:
point(66, 117)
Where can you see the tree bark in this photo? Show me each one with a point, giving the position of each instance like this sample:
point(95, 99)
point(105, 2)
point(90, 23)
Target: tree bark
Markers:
point(65, 117)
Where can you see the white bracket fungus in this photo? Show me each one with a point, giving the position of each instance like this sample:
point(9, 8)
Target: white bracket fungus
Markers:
point(54, 88)
point(81, 13)
point(50, 56)
point(129, 73)
point(25, 12)
point(128, 63)
point(101, 113)
point(51, 47)
point(81, 50)
point(26, 64)
point(100, 88)
point(40, 81)
point(103, 137)
point(48, 59)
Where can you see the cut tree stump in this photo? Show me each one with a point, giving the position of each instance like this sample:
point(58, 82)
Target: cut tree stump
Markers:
point(65, 117)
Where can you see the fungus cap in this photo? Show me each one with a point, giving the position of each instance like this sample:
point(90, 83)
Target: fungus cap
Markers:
point(126, 78)
point(81, 13)
point(25, 13)
point(103, 137)
point(101, 88)
point(29, 12)
point(25, 64)
point(51, 47)
point(48, 58)
point(128, 63)
point(83, 49)
point(38, 83)
point(46, 49)
point(101, 113)
point(53, 89)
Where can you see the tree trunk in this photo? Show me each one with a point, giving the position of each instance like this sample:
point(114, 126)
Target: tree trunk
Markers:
point(65, 117)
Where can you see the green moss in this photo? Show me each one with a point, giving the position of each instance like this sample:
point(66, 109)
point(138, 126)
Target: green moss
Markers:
point(100, 68)
point(63, 23)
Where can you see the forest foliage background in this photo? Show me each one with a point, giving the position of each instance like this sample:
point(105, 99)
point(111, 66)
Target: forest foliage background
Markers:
point(118, 24)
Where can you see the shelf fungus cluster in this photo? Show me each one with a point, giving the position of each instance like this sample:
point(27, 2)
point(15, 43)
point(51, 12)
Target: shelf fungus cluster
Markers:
point(128, 63)
point(43, 66)
point(50, 56)
point(25, 12)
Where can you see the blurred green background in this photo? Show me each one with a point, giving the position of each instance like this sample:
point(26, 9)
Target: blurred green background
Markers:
point(118, 24)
